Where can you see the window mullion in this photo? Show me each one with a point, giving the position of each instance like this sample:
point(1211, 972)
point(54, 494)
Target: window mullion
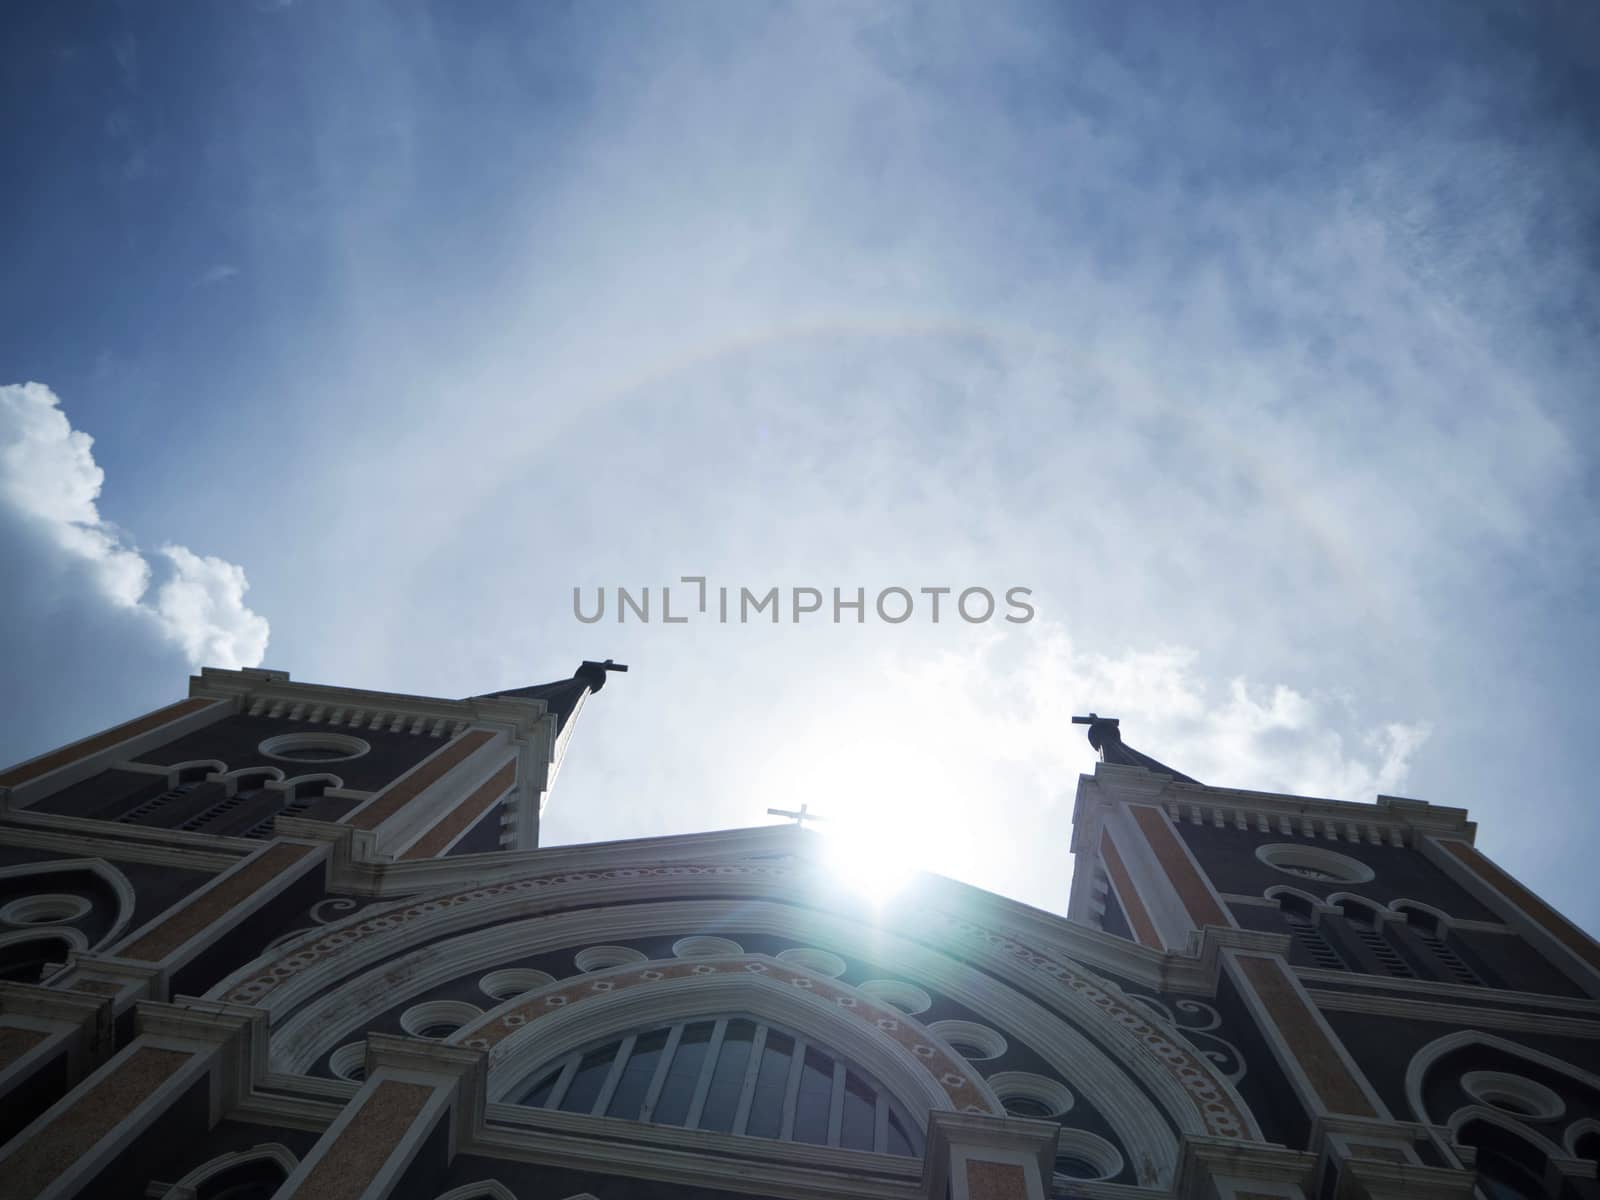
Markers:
point(659, 1079)
point(559, 1092)
point(836, 1104)
point(758, 1045)
point(880, 1125)
point(703, 1084)
point(614, 1076)
point(791, 1090)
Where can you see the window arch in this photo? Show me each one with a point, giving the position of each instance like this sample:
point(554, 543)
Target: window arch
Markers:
point(1299, 910)
point(1508, 1168)
point(735, 1074)
point(1367, 921)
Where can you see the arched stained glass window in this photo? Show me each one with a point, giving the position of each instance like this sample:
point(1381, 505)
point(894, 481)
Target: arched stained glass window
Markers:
point(729, 1074)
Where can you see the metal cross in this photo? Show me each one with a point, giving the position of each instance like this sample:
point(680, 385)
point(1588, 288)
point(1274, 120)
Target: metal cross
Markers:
point(805, 814)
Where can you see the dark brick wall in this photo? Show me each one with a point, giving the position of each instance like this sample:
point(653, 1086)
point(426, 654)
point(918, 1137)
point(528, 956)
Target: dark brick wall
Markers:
point(235, 739)
point(1228, 858)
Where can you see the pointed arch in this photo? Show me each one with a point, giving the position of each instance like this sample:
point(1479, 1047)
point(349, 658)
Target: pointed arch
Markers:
point(1404, 906)
point(121, 889)
point(1424, 1059)
point(1278, 891)
point(1577, 1132)
point(483, 1189)
point(273, 1156)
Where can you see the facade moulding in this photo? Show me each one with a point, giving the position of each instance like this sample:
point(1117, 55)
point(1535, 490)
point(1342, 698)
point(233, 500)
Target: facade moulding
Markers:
point(29, 782)
point(1455, 1014)
point(1345, 982)
point(1217, 1169)
point(1567, 947)
point(128, 843)
point(310, 999)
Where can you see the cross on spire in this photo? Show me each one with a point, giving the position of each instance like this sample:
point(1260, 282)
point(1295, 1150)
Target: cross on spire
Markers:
point(805, 814)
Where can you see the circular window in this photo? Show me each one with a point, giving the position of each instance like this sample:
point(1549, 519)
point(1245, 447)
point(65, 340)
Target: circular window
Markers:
point(514, 981)
point(906, 997)
point(812, 959)
point(1026, 1095)
point(1313, 862)
point(972, 1041)
point(49, 909)
point(314, 747)
point(438, 1019)
point(1514, 1094)
point(1082, 1156)
point(349, 1062)
point(706, 946)
point(598, 958)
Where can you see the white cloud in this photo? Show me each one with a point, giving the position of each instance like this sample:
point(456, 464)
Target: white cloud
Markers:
point(50, 483)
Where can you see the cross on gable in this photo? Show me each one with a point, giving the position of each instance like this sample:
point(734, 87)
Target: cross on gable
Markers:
point(805, 814)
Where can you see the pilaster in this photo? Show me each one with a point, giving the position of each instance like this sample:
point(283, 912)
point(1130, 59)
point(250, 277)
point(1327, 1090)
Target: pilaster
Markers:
point(972, 1157)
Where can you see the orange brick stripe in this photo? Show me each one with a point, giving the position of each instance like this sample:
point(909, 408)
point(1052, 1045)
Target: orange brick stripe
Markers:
point(406, 789)
point(1191, 887)
point(1563, 930)
point(996, 1181)
point(40, 1160)
point(212, 906)
point(464, 814)
point(367, 1142)
point(1310, 1043)
point(1144, 929)
point(44, 764)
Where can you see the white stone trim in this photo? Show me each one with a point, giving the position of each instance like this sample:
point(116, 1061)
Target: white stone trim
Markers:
point(705, 945)
point(45, 909)
point(1423, 1060)
point(79, 769)
point(515, 1059)
point(898, 994)
point(1024, 1085)
point(353, 747)
point(603, 958)
point(1080, 1143)
point(463, 938)
point(1577, 1131)
point(1285, 856)
point(121, 889)
point(435, 1012)
point(512, 982)
point(343, 1061)
point(230, 779)
point(1494, 1088)
point(810, 958)
point(991, 1041)
point(270, 1151)
point(1472, 1113)
point(484, 1189)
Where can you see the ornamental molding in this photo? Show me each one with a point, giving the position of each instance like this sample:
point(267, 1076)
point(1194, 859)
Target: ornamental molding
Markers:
point(1391, 820)
point(530, 1031)
point(123, 896)
point(1423, 1061)
point(1187, 1087)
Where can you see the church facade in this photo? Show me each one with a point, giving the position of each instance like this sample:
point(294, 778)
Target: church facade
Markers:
point(288, 940)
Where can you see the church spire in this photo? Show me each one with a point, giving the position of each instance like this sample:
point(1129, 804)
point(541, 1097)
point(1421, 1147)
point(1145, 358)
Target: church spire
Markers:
point(1105, 735)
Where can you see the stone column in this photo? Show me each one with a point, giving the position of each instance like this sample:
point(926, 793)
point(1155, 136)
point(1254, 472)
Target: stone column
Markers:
point(48, 1041)
point(979, 1157)
point(412, 1089)
point(66, 1147)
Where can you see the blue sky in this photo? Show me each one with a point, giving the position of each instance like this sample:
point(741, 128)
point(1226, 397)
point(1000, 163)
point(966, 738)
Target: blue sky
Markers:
point(1257, 340)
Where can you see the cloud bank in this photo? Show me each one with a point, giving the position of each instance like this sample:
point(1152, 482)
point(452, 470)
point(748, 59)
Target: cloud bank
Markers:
point(83, 602)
